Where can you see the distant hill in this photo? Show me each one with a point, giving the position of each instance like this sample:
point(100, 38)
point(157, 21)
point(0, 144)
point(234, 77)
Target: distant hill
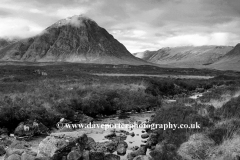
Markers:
point(193, 57)
point(75, 39)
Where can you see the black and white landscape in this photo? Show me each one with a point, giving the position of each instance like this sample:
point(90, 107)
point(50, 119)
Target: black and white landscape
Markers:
point(143, 62)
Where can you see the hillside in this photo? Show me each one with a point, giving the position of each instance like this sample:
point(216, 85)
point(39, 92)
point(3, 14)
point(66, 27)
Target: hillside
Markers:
point(230, 61)
point(186, 56)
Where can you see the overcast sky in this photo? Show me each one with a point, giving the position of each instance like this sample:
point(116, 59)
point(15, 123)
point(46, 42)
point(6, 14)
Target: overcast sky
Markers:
point(139, 24)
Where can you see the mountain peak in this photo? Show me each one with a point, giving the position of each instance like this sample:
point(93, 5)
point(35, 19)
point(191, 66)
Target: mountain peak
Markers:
point(76, 21)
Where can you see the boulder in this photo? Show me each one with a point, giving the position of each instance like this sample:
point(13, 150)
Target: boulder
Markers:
point(2, 150)
point(31, 153)
point(110, 135)
point(14, 157)
point(143, 157)
point(144, 136)
point(124, 143)
point(85, 155)
point(42, 158)
point(74, 155)
point(23, 130)
point(3, 131)
point(30, 128)
point(26, 156)
point(60, 145)
point(140, 151)
point(122, 148)
point(96, 155)
point(134, 148)
point(152, 140)
point(108, 146)
point(13, 151)
point(111, 157)
point(132, 134)
point(91, 144)
point(19, 144)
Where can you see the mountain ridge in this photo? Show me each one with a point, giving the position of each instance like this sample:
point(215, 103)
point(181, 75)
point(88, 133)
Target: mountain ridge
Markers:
point(186, 56)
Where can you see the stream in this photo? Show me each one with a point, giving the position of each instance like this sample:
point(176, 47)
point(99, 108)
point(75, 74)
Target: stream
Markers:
point(131, 141)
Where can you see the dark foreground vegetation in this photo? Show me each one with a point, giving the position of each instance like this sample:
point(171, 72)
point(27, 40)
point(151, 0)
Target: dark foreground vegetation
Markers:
point(49, 93)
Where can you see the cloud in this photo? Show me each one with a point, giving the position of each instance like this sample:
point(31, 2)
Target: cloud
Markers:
point(138, 24)
point(15, 27)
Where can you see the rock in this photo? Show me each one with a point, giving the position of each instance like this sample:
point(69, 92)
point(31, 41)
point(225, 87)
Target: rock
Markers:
point(3, 131)
point(108, 146)
point(43, 158)
point(143, 131)
point(96, 156)
point(74, 155)
point(111, 146)
point(135, 148)
point(121, 149)
point(143, 157)
point(124, 143)
point(63, 120)
point(31, 153)
point(11, 151)
point(56, 147)
point(111, 157)
point(14, 157)
point(2, 150)
point(141, 151)
point(85, 155)
point(19, 145)
point(26, 156)
point(152, 140)
point(144, 136)
point(110, 135)
point(7, 142)
point(23, 130)
point(132, 134)
point(30, 128)
point(91, 144)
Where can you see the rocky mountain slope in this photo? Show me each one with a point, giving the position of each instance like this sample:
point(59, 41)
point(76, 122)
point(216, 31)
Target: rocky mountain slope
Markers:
point(230, 61)
point(75, 39)
point(5, 42)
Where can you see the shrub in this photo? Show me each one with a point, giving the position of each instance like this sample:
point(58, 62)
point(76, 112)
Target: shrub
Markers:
point(224, 130)
point(228, 150)
point(196, 148)
point(178, 115)
point(230, 109)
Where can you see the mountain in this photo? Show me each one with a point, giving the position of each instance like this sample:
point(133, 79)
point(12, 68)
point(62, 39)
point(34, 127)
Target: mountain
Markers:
point(5, 42)
point(230, 61)
point(74, 39)
point(146, 55)
point(186, 56)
